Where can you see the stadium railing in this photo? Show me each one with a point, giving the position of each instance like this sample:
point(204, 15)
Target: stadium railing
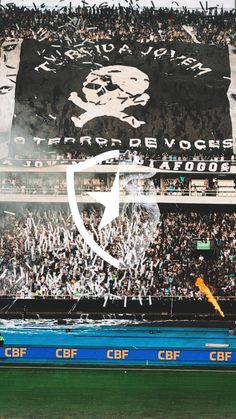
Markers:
point(117, 297)
point(221, 192)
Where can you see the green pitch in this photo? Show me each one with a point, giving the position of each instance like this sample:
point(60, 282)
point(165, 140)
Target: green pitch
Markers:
point(57, 393)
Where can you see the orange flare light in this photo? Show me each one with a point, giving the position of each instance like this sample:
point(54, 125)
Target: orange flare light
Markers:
point(205, 290)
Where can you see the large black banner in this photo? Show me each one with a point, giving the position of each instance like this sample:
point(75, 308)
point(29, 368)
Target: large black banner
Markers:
point(89, 97)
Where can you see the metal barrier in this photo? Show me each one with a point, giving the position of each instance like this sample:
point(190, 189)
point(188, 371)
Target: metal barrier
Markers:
point(69, 306)
point(118, 297)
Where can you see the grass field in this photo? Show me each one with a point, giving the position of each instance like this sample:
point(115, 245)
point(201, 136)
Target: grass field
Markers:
point(78, 393)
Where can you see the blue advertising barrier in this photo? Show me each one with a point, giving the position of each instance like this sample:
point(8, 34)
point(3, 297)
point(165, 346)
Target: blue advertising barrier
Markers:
point(121, 356)
point(117, 345)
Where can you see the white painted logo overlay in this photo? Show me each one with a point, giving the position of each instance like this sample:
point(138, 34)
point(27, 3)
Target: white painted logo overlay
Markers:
point(125, 227)
point(109, 91)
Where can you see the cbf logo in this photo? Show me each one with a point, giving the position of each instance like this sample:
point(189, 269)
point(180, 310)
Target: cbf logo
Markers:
point(130, 211)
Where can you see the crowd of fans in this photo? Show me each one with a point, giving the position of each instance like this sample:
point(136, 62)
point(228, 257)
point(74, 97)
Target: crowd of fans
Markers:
point(146, 25)
point(184, 186)
point(42, 254)
point(53, 184)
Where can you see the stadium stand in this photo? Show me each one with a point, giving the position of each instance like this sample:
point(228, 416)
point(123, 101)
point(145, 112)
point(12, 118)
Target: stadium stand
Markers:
point(41, 253)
